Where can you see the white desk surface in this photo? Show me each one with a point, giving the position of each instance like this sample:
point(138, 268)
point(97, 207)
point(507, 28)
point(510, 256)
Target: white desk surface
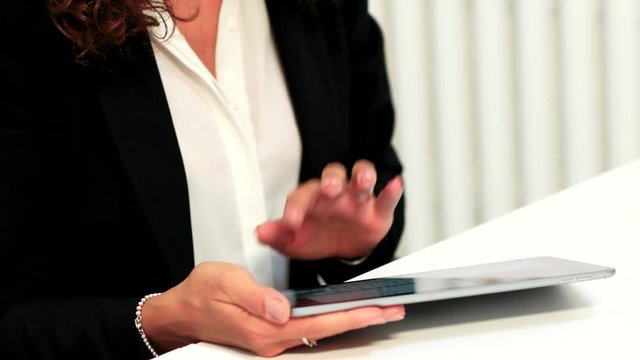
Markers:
point(597, 221)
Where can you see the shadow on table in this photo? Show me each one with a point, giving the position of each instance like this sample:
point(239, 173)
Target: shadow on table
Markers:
point(463, 311)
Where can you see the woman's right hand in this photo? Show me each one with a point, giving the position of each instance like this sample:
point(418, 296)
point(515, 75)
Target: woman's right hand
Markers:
point(221, 303)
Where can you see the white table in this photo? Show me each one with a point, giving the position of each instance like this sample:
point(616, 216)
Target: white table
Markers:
point(597, 221)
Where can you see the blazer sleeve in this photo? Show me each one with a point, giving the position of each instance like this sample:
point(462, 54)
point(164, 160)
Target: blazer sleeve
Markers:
point(38, 320)
point(371, 124)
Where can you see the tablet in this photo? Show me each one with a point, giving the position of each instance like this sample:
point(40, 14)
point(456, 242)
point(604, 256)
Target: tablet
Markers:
point(465, 281)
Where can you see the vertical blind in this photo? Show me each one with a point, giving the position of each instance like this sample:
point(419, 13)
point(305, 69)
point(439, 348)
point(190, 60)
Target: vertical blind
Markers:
point(500, 103)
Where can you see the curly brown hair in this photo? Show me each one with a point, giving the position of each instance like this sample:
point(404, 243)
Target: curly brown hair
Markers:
point(96, 26)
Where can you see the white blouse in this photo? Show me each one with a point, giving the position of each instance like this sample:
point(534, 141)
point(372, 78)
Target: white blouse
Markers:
point(237, 135)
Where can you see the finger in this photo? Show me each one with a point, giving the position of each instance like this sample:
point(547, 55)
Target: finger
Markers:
point(389, 197)
point(333, 179)
point(322, 326)
point(394, 313)
point(363, 179)
point(299, 202)
point(315, 328)
point(242, 290)
point(270, 231)
point(275, 234)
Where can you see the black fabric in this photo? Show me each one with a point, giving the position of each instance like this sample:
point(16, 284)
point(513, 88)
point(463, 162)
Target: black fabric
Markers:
point(94, 209)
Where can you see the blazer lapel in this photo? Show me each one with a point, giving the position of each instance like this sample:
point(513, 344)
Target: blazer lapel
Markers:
point(306, 63)
point(138, 114)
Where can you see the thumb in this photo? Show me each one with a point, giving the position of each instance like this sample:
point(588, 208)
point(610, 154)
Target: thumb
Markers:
point(276, 234)
point(267, 303)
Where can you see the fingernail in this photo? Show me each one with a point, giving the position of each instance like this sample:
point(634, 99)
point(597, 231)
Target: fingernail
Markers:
point(330, 187)
point(276, 311)
point(365, 178)
point(395, 317)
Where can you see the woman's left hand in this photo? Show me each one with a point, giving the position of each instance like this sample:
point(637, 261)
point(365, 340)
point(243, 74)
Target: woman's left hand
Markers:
point(334, 216)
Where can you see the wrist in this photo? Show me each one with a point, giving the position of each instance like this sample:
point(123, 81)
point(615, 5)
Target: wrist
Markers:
point(162, 324)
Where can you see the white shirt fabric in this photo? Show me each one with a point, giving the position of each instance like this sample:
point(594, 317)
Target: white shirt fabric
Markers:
point(237, 136)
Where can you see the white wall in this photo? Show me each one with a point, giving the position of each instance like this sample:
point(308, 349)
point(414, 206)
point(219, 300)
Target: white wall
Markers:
point(502, 102)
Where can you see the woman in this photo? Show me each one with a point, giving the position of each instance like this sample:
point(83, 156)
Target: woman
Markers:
point(174, 159)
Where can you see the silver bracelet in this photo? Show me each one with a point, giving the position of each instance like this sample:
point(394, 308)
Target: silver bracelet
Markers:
point(138, 322)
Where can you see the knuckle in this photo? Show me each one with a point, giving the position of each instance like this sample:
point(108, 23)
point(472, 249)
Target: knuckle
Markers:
point(203, 273)
point(228, 273)
point(229, 276)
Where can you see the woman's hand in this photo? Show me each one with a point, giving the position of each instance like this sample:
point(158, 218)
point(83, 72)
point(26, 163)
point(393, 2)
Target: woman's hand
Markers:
point(333, 217)
point(221, 303)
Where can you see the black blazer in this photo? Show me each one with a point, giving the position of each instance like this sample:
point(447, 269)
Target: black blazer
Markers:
point(94, 209)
